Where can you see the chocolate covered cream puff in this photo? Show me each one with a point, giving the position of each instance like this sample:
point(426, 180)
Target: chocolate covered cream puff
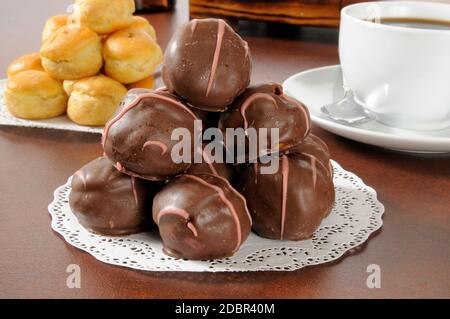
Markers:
point(290, 204)
point(266, 107)
point(207, 63)
point(108, 202)
point(138, 139)
point(201, 217)
point(207, 165)
point(312, 145)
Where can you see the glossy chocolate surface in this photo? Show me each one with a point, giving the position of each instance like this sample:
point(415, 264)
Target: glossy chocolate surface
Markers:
point(138, 139)
point(291, 203)
point(314, 146)
point(201, 217)
point(265, 107)
point(207, 63)
point(208, 164)
point(108, 202)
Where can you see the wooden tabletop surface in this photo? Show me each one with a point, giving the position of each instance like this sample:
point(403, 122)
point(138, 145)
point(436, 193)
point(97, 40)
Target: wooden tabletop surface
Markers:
point(412, 248)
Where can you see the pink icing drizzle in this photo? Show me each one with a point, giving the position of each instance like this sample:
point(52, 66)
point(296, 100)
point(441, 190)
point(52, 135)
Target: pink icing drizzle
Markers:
point(246, 49)
point(172, 211)
point(314, 162)
point(80, 174)
point(314, 169)
point(285, 174)
point(235, 192)
point(302, 108)
point(249, 101)
point(192, 229)
point(119, 167)
point(162, 89)
point(134, 103)
point(178, 212)
point(220, 32)
point(226, 202)
point(159, 144)
point(133, 186)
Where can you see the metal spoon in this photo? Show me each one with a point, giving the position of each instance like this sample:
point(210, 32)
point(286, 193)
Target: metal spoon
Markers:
point(346, 110)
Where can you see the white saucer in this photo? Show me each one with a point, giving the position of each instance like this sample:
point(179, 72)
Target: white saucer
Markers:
point(321, 86)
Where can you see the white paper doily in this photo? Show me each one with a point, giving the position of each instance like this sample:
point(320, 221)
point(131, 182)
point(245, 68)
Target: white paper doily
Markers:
point(357, 213)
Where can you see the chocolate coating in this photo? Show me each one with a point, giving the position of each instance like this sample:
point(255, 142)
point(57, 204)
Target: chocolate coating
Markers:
point(265, 106)
point(220, 169)
point(209, 119)
point(108, 202)
point(138, 139)
point(207, 63)
point(314, 146)
point(201, 217)
point(209, 166)
point(291, 203)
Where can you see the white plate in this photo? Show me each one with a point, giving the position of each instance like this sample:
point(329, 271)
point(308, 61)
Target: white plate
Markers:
point(59, 123)
point(321, 86)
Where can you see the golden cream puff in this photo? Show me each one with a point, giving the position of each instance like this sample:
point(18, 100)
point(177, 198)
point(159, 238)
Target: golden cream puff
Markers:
point(147, 83)
point(52, 25)
point(68, 86)
point(94, 100)
point(143, 24)
point(103, 16)
point(72, 53)
point(35, 95)
point(26, 62)
point(131, 55)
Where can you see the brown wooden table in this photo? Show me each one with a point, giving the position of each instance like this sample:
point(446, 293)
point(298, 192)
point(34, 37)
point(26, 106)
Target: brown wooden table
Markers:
point(412, 248)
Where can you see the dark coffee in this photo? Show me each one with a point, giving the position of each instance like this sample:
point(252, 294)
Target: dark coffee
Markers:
point(416, 23)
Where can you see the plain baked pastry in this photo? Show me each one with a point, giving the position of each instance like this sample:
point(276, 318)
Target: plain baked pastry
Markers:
point(143, 24)
point(25, 62)
point(131, 55)
point(103, 16)
point(68, 86)
point(147, 83)
point(35, 95)
point(52, 25)
point(72, 53)
point(94, 100)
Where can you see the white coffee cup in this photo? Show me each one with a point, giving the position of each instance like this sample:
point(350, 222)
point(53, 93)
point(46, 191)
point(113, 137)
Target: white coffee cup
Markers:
point(401, 75)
